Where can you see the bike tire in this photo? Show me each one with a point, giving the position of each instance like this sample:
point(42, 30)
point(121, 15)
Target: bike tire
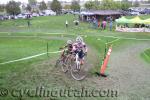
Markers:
point(57, 63)
point(64, 66)
point(77, 75)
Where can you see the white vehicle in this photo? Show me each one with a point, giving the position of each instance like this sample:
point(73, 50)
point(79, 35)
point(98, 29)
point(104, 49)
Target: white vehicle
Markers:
point(49, 12)
point(21, 16)
point(41, 14)
point(16, 17)
point(135, 13)
point(35, 15)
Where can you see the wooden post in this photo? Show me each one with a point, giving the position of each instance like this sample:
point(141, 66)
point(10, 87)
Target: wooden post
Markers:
point(47, 49)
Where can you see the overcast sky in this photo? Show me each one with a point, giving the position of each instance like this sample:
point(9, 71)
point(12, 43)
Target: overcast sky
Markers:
point(26, 1)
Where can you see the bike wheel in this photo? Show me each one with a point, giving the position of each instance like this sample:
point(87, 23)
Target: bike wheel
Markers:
point(65, 65)
point(77, 74)
point(58, 63)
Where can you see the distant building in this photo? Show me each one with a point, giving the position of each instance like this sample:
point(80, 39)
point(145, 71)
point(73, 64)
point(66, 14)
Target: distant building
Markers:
point(99, 14)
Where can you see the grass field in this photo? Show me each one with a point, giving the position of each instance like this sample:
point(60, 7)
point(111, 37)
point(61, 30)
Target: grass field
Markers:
point(146, 55)
point(19, 41)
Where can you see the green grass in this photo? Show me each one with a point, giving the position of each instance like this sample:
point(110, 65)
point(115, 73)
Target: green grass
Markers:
point(15, 48)
point(146, 55)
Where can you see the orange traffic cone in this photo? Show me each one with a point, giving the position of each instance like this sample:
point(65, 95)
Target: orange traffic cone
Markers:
point(104, 65)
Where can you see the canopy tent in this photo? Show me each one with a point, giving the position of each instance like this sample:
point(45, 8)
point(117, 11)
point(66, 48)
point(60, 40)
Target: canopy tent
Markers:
point(123, 20)
point(147, 21)
point(135, 20)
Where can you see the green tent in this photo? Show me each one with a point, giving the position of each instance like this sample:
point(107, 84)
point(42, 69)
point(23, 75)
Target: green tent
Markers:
point(123, 20)
point(147, 21)
point(137, 20)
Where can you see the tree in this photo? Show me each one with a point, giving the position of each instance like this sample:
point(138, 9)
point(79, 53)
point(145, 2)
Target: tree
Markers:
point(56, 6)
point(75, 6)
point(136, 4)
point(107, 4)
point(89, 5)
point(32, 2)
point(28, 8)
point(13, 8)
point(67, 7)
point(42, 6)
point(2, 7)
point(125, 4)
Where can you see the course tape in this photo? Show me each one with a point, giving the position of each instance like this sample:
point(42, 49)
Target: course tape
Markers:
point(126, 38)
point(113, 41)
point(26, 58)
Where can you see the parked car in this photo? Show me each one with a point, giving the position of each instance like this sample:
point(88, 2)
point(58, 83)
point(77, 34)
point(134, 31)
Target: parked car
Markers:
point(49, 12)
point(35, 14)
point(1, 17)
point(41, 14)
point(12, 17)
point(145, 11)
point(6, 17)
point(23, 16)
point(135, 13)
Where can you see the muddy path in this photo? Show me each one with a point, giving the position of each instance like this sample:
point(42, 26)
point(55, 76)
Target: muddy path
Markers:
point(128, 73)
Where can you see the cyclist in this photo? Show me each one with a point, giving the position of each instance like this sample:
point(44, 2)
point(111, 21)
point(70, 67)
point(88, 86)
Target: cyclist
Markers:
point(80, 47)
point(67, 48)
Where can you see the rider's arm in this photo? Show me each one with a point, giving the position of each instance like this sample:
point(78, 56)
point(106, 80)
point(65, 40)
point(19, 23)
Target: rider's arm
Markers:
point(85, 48)
point(63, 47)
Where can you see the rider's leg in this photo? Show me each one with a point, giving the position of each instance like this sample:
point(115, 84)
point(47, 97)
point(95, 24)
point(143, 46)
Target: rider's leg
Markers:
point(81, 56)
point(63, 55)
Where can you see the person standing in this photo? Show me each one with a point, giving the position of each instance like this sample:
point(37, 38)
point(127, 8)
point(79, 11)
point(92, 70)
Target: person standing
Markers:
point(66, 24)
point(110, 25)
point(28, 22)
point(99, 23)
point(104, 25)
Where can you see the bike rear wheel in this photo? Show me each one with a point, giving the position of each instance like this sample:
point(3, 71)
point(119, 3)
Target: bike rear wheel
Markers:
point(65, 65)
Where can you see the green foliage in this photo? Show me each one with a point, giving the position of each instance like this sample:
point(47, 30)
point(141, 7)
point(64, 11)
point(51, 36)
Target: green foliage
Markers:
point(75, 6)
point(13, 8)
point(28, 8)
point(90, 5)
point(107, 5)
point(2, 8)
point(125, 5)
point(32, 2)
point(136, 4)
point(56, 6)
point(146, 55)
point(67, 7)
point(42, 6)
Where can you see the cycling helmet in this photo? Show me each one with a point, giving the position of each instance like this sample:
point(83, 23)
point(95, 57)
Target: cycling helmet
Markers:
point(69, 42)
point(79, 39)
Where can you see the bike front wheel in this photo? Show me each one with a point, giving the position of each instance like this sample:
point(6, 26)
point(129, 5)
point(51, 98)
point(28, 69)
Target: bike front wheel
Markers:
point(77, 71)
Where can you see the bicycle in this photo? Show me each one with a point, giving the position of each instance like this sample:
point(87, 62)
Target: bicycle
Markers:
point(71, 62)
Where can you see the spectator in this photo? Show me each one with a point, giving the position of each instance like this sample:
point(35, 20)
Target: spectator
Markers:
point(66, 24)
point(104, 24)
point(110, 25)
point(76, 22)
point(28, 22)
point(99, 23)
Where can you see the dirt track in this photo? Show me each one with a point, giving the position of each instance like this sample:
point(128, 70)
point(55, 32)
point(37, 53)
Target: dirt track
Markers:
point(129, 74)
